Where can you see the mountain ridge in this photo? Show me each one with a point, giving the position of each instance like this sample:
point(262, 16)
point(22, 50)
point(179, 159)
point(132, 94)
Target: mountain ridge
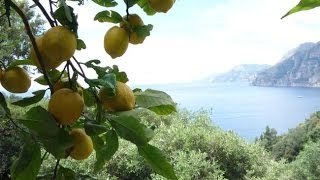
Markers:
point(299, 68)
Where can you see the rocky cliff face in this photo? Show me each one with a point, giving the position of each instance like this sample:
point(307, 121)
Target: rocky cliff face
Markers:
point(240, 73)
point(299, 68)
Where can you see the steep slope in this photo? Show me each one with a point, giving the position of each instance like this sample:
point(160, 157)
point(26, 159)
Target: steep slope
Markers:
point(299, 68)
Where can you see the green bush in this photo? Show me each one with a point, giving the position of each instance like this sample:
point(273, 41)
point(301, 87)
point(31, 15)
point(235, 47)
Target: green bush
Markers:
point(307, 163)
point(196, 148)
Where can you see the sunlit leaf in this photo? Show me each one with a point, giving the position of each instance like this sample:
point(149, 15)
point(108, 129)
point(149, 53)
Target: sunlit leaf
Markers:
point(108, 16)
point(157, 161)
point(81, 44)
point(107, 150)
point(20, 62)
point(108, 82)
point(131, 129)
point(146, 7)
point(143, 31)
point(302, 6)
point(120, 75)
point(106, 3)
point(157, 101)
point(38, 95)
point(28, 163)
point(101, 71)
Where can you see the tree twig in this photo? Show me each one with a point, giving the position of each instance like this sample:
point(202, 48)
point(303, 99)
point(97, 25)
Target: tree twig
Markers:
point(56, 170)
point(44, 12)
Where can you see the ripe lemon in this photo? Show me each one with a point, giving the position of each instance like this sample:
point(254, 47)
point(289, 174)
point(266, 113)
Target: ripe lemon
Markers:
point(133, 21)
point(161, 5)
point(66, 106)
point(124, 99)
point(16, 80)
point(82, 144)
point(116, 41)
point(49, 62)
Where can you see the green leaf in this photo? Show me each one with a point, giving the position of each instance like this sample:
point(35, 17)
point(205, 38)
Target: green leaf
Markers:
point(66, 174)
point(131, 129)
point(108, 16)
point(106, 3)
point(146, 7)
point(105, 153)
point(63, 13)
point(108, 81)
point(101, 71)
point(157, 161)
point(130, 3)
point(157, 101)
point(20, 62)
point(28, 163)
point(91, 62)
point(143, 31)
point(67, 10)
point(94, 129)
point(54, 139)
point(4, 110)
point(38, 95)
point(88, 97)
point(81, 44)
point(120, 75)
point(53, 75)
point(302, 6)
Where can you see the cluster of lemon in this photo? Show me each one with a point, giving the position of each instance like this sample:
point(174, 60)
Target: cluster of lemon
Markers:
point(57, 45)
point(117, 39)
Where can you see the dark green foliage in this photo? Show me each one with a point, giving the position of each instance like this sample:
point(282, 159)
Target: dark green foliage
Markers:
point(10, 145)
point(289, 145)
point(307, 163)
point(268, 138)
point(196, 148)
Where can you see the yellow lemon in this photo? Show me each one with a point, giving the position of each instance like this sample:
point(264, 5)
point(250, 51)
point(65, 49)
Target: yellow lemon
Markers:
point(66, 106)
point(116, 41)
point(133, 21)
point(124, 99)
point(161, 5)
point(16, 80)
point(59, 43)
point(49, 62)
point(82, 144)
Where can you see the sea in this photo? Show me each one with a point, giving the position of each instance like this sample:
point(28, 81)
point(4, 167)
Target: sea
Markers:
point(246, 109)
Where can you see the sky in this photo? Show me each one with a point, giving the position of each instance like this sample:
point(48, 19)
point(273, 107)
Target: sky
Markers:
point(196, 39)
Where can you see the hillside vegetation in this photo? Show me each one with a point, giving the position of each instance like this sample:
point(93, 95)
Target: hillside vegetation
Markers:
point(198, 150)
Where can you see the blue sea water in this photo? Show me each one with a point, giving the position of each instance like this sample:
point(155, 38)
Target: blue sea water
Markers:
point(246, 109)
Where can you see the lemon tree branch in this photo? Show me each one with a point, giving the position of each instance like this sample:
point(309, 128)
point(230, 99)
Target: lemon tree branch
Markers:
point(33, 41)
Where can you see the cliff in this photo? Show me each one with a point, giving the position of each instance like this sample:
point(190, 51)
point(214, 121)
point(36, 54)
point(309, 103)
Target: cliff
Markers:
point(299, 68)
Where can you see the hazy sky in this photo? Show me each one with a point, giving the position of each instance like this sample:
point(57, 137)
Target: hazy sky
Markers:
point(198, 38)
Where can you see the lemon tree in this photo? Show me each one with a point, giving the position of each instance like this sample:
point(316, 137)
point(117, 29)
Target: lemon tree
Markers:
point(79, 122)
